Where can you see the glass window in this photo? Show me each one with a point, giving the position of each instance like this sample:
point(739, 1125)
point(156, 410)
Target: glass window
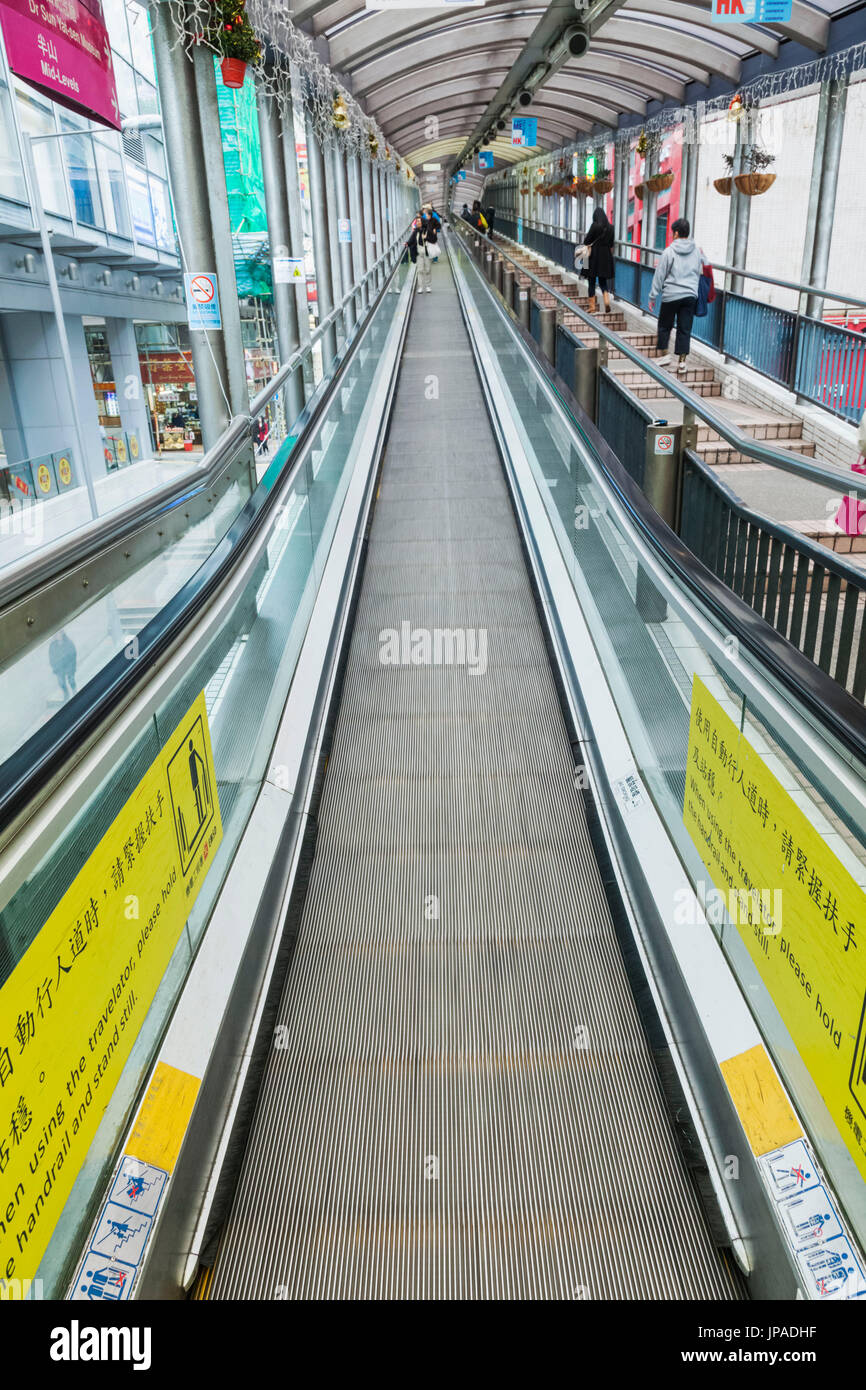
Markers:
point(12, 183)
point(148, 103)
point(154, 154)
point(127, 96)
point(139, 33)
point(109, 165)
point(161, 215)
point(139, 197)
point(83, 181)
point(37, 118)
point(115, 22)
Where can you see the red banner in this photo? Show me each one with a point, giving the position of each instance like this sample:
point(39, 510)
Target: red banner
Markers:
point(61, 47)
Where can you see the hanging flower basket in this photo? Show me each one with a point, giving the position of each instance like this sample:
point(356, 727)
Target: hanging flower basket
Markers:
point(234, 71)
point(584, 186)
point(640, 190)
point(752, 184)
point(659, 182)
point(603, 185)
point(723, 186)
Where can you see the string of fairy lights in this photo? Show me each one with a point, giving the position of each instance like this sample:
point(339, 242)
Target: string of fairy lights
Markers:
point(286, 66)
point(749, 96)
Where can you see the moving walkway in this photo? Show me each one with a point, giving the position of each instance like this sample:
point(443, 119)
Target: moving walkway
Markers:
point(450, 1016)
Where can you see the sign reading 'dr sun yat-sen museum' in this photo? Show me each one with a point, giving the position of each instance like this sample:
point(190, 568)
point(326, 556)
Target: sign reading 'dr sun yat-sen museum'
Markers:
point(61, 47)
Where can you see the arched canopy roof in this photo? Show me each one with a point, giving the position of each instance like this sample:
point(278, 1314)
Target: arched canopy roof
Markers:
point(437, 78)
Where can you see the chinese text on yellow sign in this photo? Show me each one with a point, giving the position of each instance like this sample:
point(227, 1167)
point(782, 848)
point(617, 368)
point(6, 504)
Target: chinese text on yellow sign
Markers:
point(73, 1006)
point(798, 909)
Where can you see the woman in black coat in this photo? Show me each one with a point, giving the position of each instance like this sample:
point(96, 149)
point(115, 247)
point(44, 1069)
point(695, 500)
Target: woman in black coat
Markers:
point(599, 242)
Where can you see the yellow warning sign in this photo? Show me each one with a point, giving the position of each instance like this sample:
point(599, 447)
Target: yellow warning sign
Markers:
point(43, 477)
point(799, 911)
point(64, 468)
point(72, 1008)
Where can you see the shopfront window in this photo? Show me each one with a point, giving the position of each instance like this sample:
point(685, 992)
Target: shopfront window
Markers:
point(165, 360)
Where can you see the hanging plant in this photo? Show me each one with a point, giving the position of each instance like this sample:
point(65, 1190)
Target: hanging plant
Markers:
point(753, 177)
point(232, 35)
point(723, 186)
point(640, 191)
point(659, 182)
point(602, 183)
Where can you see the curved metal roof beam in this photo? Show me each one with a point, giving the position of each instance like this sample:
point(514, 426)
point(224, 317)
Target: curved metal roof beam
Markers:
point(669, 42)
point(478, 63)
point(613, 98)
point(751, 35)
point(554, 128)
point(436, 98)
point(552, 131)
point(438, 48)
point(384, 30)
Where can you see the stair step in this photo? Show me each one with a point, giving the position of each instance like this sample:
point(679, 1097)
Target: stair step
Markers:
point(719, 451)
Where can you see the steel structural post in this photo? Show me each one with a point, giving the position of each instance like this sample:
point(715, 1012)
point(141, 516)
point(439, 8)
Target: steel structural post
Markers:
point(344, 248)
point(280, 240)
point(820, 259)
point(296, 212)
point(359, 235)
point(221, 228)
point(368, 203)
point(648, 233)
point(333, 230)
point(321, 242)
point(183, 147)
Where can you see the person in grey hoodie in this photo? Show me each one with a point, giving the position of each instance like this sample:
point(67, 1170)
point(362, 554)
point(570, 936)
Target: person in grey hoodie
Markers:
point(676, 279)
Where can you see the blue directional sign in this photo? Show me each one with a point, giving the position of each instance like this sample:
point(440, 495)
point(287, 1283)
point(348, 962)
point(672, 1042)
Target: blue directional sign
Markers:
point(524, 130)
point(485, 159)
point(751, 11)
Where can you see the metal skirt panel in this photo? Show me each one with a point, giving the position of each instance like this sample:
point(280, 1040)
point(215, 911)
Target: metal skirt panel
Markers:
point(464, 1104)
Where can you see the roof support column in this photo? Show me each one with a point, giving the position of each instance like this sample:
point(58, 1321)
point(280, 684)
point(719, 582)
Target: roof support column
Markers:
point(368, 201)
point(359, 234)
point(822, 217)
point(296, 216)
point(280, 241)
point(321, 243)
point(738, 216)
point(344, 248)
point(221, 228)
point(183, 144)
point(648, 236)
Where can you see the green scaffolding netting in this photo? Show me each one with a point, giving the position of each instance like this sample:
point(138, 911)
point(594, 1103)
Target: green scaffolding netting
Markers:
point(246, 188)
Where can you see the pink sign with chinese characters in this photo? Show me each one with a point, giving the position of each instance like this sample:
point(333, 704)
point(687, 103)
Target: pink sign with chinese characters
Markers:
point(61, 47)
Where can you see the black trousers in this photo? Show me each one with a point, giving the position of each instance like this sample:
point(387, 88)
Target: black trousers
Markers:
point(683, 311)
point(603, 284)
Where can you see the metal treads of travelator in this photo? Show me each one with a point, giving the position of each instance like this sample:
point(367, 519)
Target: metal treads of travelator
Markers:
point(465, 1105)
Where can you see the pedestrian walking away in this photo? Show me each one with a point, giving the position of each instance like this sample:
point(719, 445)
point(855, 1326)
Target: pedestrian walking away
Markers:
point(598, 246)
point(63, 658)
point(424, 246)
point(677, 278)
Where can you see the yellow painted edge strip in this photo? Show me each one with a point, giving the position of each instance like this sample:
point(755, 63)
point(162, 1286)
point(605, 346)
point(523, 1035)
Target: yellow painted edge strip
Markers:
point(161, 1122)
point(761, 1103)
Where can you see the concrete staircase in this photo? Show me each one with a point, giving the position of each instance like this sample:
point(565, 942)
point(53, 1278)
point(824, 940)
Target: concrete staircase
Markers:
point(700, 377)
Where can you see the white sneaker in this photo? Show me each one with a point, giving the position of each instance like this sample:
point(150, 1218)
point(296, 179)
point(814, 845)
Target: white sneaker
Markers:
point(663, 361)
point(429, 289)
point(421, 291)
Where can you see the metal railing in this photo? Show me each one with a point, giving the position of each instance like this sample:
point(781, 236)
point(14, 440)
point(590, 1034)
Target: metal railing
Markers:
point(823, 363)
point(813, 598)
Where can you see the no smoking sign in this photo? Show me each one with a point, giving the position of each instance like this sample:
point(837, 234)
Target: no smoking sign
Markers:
point(202, 300)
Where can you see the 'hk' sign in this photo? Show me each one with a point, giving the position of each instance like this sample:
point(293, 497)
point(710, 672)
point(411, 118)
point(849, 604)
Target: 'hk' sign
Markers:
point(750, 11)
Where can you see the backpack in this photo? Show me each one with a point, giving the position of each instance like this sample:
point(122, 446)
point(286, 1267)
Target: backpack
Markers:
point(706, 290)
